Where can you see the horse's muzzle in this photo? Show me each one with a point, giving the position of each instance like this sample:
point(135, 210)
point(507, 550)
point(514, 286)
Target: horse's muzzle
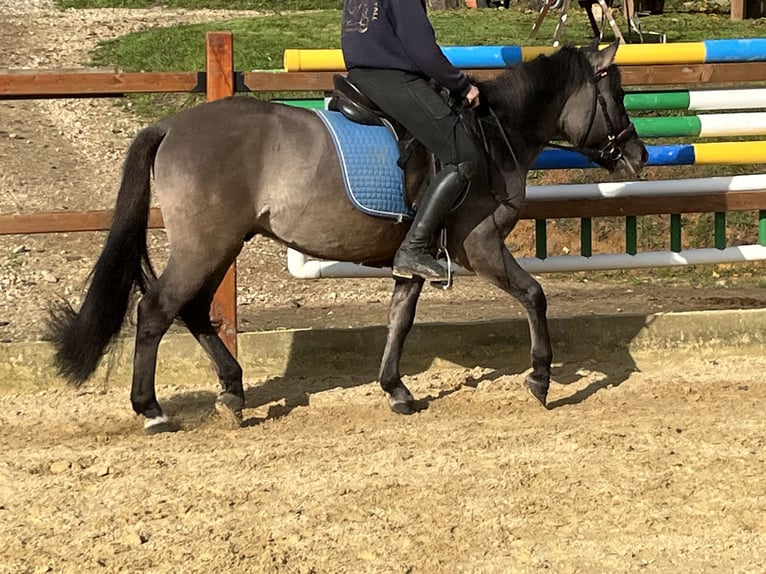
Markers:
point(633, 159)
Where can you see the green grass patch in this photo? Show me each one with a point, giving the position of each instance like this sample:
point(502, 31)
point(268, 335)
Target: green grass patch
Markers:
point(258, 43)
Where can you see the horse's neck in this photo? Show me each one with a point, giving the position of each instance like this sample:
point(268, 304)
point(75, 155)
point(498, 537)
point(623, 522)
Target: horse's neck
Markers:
point(540, 110)
point(528, 101)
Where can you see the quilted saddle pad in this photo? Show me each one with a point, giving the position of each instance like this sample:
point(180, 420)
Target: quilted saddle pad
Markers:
point(367, 154)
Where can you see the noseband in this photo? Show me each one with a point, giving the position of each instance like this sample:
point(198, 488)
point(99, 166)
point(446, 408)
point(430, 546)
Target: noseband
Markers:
point(611, 151)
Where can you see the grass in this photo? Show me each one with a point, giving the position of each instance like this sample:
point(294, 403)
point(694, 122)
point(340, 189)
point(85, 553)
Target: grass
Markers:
point(261, 40)
point(259, 43)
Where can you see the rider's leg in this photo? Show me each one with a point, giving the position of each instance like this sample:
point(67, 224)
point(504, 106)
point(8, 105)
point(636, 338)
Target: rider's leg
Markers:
point(414, 256)
point(423, 112)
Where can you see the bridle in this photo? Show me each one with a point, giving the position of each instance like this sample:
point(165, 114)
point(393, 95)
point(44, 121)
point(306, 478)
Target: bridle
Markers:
point(607, 155)
point(611, 152)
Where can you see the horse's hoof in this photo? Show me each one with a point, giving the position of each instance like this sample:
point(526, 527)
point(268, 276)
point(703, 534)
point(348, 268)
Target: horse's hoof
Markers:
point(403, 408)
point(537, 389)
point(157, 425)
point(402, 402)
point(230, 408)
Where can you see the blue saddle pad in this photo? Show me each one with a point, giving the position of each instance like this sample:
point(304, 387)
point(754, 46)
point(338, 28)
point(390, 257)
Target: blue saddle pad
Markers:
point(367, 155)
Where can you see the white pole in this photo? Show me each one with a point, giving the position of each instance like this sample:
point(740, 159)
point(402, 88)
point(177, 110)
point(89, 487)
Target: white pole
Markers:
point(736, 124)
point(745, 99)
point(302, 268)
point(608, 261)
point(647, 188)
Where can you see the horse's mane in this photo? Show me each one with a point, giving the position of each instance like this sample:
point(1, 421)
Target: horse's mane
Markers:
point(527, 100)
point(532, 85)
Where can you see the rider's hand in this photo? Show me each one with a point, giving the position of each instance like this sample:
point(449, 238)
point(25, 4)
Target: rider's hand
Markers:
point(472, 97)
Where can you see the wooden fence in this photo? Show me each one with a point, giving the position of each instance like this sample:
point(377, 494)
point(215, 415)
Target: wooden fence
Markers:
point(221, 80)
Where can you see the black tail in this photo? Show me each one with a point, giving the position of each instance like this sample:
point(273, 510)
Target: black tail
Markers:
point(82, 338)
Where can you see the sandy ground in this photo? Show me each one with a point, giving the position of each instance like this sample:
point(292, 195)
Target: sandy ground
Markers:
point(657, 468)
point(661, 473)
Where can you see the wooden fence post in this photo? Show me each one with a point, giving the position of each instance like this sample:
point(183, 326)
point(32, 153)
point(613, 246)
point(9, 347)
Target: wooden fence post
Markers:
point(219, 50)
point(737, 9)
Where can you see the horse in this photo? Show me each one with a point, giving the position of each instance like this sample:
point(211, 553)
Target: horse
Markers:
point(227, 170)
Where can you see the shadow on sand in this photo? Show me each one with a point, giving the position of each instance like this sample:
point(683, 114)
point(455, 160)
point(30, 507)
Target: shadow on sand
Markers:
point(322, 359)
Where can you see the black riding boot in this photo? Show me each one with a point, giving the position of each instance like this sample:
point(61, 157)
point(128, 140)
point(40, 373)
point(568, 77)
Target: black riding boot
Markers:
point(414, 256)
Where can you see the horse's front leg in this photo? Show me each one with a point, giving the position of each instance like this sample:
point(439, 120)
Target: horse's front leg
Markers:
point(401, 316)
point(490, 259)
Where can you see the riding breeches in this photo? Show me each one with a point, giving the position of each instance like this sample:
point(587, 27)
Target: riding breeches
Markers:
point(411, 101)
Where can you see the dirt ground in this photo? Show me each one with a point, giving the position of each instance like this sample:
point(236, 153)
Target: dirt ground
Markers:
point(661, 472)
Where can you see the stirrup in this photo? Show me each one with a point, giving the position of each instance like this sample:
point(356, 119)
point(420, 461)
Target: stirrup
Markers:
point(444, 284)
point(428, 268)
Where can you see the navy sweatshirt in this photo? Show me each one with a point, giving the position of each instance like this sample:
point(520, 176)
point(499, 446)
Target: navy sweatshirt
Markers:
point(396, 34)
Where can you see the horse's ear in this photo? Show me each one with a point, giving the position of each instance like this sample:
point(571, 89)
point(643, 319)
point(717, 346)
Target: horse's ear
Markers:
point(602, 59)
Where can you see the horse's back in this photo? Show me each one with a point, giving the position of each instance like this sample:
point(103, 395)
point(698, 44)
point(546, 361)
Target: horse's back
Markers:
point(249, 166)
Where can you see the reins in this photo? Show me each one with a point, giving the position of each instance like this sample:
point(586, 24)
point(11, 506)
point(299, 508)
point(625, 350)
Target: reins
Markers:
point(506, 141)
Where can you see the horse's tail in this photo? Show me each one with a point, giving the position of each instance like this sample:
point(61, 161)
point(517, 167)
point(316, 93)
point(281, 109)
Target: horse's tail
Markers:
point(82, 337)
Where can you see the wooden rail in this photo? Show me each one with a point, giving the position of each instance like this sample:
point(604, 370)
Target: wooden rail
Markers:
point(221, 80)
point(219, 63)
point(96, 83)
point(34, 84)
point(717, 202)
point(65, 221)
point(100, 220)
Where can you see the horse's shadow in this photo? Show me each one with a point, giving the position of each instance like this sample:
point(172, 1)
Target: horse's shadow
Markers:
point(501, 348)
point(281, 395)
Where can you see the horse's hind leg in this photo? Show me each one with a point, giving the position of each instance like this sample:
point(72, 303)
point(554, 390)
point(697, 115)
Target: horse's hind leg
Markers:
point(401, 316)
point(491, 260)
point(196, 316)
point(156, 311)
point(178, 291)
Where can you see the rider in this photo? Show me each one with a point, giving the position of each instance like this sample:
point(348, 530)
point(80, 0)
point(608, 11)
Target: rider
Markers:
point(391, 54)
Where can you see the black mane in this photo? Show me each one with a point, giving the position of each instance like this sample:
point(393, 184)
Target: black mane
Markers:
point(534, 85)
point(528, 100)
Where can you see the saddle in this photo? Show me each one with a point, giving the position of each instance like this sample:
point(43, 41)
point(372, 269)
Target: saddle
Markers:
point(417, 163)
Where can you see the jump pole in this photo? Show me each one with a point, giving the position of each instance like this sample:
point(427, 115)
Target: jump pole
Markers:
point(495, 57)
point(691, 100)
point(219, 56)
